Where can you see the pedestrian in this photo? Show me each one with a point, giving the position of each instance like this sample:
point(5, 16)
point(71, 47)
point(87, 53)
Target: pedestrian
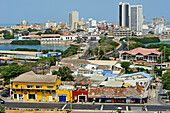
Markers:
point(100, 100)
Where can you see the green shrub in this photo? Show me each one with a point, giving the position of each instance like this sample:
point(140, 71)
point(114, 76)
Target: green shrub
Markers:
point(26, 42)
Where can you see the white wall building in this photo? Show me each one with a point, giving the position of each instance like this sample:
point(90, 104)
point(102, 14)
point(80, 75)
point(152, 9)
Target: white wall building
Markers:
point(50, 24)
point(58, 37)
point(92, 23)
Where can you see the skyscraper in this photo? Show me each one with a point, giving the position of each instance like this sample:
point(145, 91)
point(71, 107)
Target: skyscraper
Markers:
point(73, 18)
point(124, 14)
point(136, 17)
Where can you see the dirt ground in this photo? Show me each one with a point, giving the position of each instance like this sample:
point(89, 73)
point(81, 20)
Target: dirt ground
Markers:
point(25, 111)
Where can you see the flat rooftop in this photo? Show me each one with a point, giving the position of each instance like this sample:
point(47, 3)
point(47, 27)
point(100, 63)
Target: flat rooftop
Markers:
point(20, 53)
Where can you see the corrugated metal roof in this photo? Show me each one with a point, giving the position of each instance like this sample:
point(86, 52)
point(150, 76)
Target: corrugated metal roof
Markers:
point(139, 73)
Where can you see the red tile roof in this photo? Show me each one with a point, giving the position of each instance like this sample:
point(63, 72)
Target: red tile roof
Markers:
point(142, 51)
point(115, 92)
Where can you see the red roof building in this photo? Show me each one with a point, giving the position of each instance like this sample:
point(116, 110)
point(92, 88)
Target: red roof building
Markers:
point(140, 54)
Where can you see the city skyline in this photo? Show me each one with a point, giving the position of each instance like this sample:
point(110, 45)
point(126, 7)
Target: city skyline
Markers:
point(58, 11)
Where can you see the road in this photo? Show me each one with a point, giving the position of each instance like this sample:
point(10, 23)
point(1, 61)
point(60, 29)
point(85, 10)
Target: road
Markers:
point(91, 45)
point(89, 106)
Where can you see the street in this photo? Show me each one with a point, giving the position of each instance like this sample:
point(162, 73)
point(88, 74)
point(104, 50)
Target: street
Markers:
point(85, 106)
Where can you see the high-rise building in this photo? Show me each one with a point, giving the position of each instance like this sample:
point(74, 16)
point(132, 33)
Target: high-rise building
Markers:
point(136, 17)
point(124, 14)
point(73, 18)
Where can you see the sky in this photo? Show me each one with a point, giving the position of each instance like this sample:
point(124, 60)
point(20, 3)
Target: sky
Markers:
point(39, 11)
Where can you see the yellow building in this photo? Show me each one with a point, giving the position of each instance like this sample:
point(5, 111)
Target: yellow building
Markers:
point(64, 93)
point(32, 87)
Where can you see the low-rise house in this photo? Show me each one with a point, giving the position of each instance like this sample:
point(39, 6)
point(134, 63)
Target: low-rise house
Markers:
point(140, 54)
point(64, 93)
point(80, 94)
point(77, 62)
point(141, 78)
point(118, 95)
point(111, 84)
point(32, 87)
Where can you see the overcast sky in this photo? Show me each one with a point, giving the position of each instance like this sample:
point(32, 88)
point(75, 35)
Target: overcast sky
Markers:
point(39, 11)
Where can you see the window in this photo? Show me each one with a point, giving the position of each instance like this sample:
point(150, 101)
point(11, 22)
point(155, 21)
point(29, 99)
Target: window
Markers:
point(56, 86)
point(31, 96)
point(15, 96)
point(29, 86)
point(54, 96)
point(50, 87)
point(16, 85)
point(39, 86)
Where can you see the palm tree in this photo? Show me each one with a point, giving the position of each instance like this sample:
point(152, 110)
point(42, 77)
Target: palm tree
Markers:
point(96, 50)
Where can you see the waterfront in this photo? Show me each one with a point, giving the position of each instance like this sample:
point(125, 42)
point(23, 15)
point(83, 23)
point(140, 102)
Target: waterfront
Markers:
point(38, 47)
point(157, 43)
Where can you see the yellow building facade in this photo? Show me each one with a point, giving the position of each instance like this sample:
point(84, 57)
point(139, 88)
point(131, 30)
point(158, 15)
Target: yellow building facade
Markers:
point(42, 88)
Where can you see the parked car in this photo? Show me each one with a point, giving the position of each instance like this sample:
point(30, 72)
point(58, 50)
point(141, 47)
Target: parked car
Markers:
point(5, 95)
point(2, 101)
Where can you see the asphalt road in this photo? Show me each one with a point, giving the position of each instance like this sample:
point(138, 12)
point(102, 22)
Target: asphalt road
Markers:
point(101, 106)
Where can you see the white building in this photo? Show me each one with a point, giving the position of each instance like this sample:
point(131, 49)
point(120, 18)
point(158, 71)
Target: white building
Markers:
point(73, 17)
point(58, 37)
point(92, 23)
point(50, 24)
point(136, 18)
point(141, 78)
point(159, 28)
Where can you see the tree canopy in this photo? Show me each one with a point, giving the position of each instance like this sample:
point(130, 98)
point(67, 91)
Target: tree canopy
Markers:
point(125, 65)
point(12, 72)
point(64, 73)
point(166, 80)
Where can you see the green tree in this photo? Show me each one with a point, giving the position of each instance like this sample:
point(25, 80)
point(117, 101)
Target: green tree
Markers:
point(64, 73)
point(158, 71)
point(16, 31)
point(125, 65)
point(48, 60)
point(130, 56)
point(96, 50)
point(166, 81)
point(25, 33)
point(151, 32)
point(12, 72)
point(78, 30)
point(90, 52)
point(39, 33)
point(7, 35)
